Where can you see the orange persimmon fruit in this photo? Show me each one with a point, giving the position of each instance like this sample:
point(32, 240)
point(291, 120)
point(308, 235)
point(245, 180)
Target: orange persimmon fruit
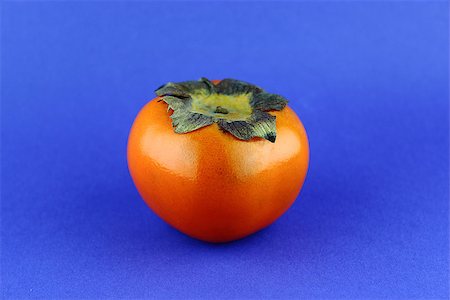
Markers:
point(217, 160)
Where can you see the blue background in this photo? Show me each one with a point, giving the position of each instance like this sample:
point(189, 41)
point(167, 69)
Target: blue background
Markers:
point(368, 79)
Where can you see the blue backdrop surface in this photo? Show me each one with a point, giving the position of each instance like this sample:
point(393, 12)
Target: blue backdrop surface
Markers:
point(368, 79)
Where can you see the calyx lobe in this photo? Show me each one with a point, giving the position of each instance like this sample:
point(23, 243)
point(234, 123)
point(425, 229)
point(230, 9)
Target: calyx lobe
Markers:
point(238, 107)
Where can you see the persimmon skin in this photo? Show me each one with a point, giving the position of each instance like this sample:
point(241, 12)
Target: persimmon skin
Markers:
point(209, 184)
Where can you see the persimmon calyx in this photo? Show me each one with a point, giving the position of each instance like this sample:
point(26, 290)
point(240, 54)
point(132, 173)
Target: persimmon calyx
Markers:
point(238, 107)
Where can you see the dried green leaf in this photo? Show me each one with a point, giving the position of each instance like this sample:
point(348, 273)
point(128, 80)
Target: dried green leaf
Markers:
point(172, 89)
point(174, 103)
point(185, 121)
point(210, 86)
point(261, 124)
point(264, 125)
point(266, 102)
point(234, 87)
point(240, 129)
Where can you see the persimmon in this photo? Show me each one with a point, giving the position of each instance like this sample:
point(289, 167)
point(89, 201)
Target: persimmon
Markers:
point(218, 160)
